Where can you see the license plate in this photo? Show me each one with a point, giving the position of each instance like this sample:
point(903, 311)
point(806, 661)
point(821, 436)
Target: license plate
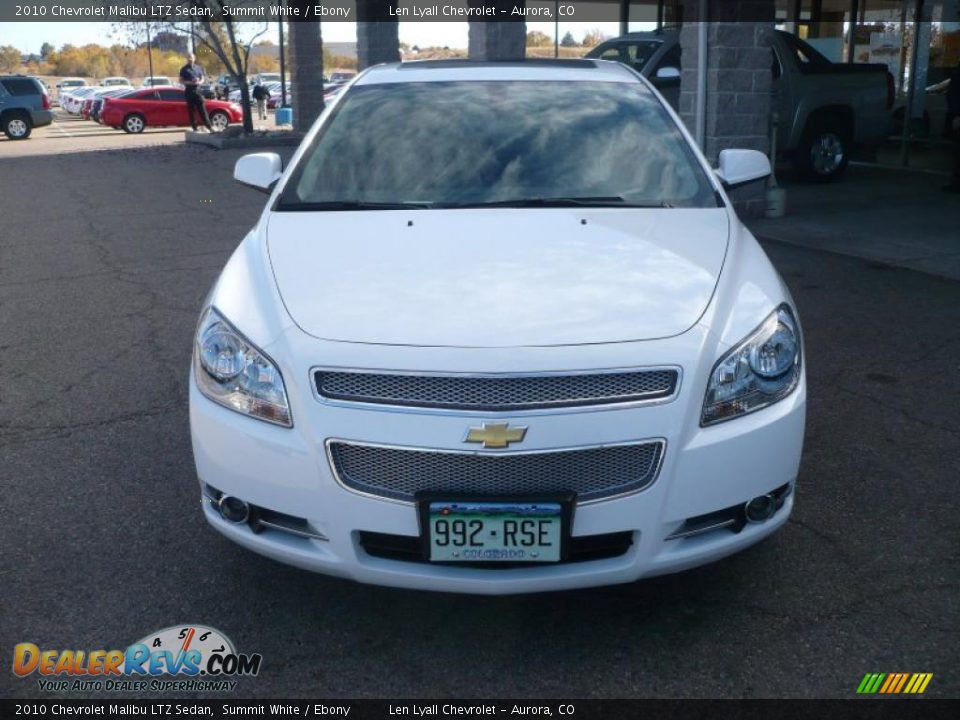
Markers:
point(482, 531)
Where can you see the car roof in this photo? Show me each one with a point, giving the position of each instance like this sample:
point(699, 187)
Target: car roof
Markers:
point(661, 34)
point(451, 70)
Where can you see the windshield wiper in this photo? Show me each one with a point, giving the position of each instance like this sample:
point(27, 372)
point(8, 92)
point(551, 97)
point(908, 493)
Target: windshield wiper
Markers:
point(351, 205)
point(610, 201)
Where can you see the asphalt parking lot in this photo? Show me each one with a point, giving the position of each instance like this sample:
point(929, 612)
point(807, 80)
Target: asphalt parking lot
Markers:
point(104, 263)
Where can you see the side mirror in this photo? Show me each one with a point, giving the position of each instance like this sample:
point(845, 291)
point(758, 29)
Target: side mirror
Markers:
point(259, 171)
point(668, 73)
point(735, 167)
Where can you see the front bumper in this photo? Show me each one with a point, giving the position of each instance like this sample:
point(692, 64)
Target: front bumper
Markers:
point(704, 470)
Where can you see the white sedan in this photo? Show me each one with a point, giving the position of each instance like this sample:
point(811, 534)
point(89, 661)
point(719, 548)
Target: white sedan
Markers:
point(72, 101)
point(518, 342)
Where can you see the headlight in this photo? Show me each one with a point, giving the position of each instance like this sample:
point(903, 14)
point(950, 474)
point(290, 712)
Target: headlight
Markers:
point(758, 372)
point(231, 371)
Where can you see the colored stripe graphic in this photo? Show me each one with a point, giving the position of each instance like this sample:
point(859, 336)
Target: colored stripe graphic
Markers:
point(894, 683)
point(870, 683)
point(900, 682)
point(892, 680)
point(918, 683)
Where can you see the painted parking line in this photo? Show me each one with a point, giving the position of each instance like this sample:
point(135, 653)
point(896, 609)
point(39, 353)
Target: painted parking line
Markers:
point(59, 126)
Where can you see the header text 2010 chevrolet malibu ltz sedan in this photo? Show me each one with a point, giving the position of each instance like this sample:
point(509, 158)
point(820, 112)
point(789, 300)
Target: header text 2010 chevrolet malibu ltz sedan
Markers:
point(498, 330)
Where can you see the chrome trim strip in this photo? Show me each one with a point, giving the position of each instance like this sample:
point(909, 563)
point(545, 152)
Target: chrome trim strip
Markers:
point(300, 533)
point(266, 523)
point(700, 531)
point(655, 472)
point(551, 407)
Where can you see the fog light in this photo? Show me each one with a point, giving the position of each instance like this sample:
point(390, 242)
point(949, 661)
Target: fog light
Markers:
point(233, 509)
point(760, 508)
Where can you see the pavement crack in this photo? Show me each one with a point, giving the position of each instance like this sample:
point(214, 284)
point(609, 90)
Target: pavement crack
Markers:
point(887, 405)
point(61, 430)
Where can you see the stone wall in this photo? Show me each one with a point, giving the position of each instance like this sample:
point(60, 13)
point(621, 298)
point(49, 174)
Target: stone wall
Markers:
point(498, 40)
point(378, 39)
point(738, 87)
point(306, 73)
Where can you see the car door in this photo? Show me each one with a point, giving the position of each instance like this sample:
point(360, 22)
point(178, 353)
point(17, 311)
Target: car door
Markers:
point(148, 105)
point(669, 87)
point(174, 106)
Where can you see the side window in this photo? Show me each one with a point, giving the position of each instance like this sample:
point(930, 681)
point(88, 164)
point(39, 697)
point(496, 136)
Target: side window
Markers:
point(171, 95)
point(147, 95)
point(640, 53)
point(611, 53)
point(804, 54)
point(21, 86)
point(670, 59)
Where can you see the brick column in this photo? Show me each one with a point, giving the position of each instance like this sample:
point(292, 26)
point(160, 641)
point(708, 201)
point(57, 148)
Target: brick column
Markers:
point(738, 87)
point(498, 40)
point(378, 39)
point(306, 72)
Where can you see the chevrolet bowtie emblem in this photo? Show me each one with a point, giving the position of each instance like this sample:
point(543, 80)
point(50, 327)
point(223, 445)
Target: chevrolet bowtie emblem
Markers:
point(495, 435)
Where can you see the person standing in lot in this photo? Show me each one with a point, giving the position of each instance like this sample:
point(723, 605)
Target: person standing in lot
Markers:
point(191, 76)
point(260, 95)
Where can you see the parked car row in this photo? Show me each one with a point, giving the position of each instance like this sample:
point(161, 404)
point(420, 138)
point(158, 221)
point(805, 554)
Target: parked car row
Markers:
point(139, 109)
point(74, 101)
point(156, 104)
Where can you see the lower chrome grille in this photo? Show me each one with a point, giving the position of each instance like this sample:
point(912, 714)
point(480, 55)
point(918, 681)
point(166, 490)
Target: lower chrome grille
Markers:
point(592, 473)
point(498, 393)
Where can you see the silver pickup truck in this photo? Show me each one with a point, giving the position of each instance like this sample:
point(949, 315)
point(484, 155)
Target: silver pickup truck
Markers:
point(825, 109)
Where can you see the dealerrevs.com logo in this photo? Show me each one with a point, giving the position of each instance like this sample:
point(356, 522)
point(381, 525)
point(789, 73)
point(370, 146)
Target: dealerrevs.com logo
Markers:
point(197, 656)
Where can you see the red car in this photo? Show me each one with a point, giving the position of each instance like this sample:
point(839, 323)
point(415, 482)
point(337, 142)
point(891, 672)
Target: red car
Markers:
point(162, 107)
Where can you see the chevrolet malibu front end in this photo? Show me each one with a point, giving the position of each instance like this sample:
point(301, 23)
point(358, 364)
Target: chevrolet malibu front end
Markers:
point(498, 330)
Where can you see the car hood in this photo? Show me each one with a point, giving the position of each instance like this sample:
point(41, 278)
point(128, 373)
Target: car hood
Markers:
point(497, 278)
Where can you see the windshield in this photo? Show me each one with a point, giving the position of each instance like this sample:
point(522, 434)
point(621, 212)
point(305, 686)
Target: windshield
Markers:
point(449, 144)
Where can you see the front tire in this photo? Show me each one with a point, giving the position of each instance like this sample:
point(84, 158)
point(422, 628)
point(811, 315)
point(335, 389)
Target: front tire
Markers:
point(823, 154)
point(134, 123)
point(17, 126)
point(219, 120)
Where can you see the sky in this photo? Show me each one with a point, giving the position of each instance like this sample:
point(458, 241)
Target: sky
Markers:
point(29, 36)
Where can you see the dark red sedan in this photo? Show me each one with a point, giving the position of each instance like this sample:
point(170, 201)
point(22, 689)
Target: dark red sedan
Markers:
point(162, 107)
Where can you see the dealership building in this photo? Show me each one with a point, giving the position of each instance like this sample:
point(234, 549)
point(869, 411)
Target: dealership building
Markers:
point(726, 81)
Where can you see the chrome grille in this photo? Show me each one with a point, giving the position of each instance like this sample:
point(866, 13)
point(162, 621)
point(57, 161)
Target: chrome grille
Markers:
point(497, 393)
point(400, 473)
